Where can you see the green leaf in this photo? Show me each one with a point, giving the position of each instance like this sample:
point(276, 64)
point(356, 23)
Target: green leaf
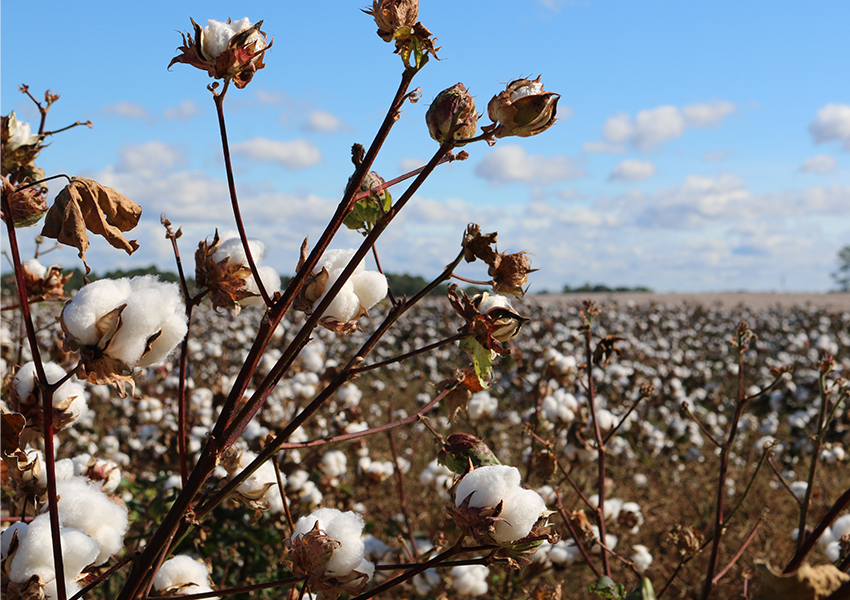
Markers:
point(606, 588)
point(482, 359)
point(643, 592)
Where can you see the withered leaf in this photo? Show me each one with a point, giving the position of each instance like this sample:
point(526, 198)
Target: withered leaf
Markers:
point(12, 426)
point(84, 205)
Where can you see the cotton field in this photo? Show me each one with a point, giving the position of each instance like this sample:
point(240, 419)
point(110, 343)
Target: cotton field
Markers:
point(667, 390)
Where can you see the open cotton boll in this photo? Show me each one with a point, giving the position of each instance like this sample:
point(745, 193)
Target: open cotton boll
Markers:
point(93, 301)
point(6, 536)
point(344, 527)
point(338, 259)
point(520, 512)
point(258, 483)
point(35, 267)
point(217, 34)
point(521, 508)
point(26, 376)
point(641, 557)
point(183, 570)
point(345, 304)
point(470, 580)
point(153, 306)
point(841, 526)
point(35, 553)
point(232, 249)
point(271, 283)
point(370, 287)
point(82, 505)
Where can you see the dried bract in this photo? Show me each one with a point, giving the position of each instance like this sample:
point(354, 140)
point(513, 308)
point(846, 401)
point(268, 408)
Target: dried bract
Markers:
point(392, 15)
point(19, 148)
point(27, 203)
point(523, 109)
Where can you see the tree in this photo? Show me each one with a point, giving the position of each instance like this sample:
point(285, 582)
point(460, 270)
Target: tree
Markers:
point(842, 274)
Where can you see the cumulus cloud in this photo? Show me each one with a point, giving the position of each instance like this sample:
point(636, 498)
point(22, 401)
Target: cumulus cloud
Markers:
point(602, 147)
point(822, 164)
point(408, 164)
point(185, 110)
point(658, 125)
point(511, 163)
point(292, 154)
point(321, 121)
point(632, 170)
point(832, 124)
point(129, 110)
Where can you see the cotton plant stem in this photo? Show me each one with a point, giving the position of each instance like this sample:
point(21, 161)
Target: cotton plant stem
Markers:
point(402, 497)
point(742, 337)
point(104, 576)
point(840, 505)
point(45, 390)
point(576, 538)
point(243, 589)
point(597, 433)
point(741, 550)
point(816, 445)
point(231, 186)
point(765, 453)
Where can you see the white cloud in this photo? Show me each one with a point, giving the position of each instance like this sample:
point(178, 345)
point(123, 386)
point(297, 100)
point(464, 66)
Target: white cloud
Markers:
point(150, 159)
point(832, 124)
point(406, 165)
point(130, 110)
point(185, 110)
point(270, 98)
point(656, 126)
point(632, 170)
point(602, 147)
point(322, 121)
point(822, 164)
point(293, 154)
point(512, 164)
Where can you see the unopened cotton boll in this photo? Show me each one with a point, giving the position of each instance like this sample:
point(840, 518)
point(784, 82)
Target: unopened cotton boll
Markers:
point(470, 580)
point(184, 572)
point(344, 527)
point(488, 486)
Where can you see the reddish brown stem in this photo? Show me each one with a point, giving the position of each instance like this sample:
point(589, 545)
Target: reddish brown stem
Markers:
point(740, 551)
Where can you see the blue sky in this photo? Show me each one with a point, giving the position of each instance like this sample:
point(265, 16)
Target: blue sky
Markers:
point(700, 146)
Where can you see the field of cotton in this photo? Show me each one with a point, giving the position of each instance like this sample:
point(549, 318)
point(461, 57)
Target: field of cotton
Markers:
point(665, 392)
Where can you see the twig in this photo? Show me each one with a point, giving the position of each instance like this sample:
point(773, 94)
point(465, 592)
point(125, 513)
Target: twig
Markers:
point(810, 540)
point(575, 535)
point(401, 357)
point(402, 497)
point(740, 551)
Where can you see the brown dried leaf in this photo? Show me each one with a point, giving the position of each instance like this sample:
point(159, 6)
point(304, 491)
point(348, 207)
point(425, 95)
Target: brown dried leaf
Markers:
point(84, 205)
point(806, 583)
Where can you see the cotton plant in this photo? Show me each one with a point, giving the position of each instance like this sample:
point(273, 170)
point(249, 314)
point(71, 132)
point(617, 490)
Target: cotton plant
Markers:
point(363, 290)
point(326, 547)
point(470, 580)
point(261, 487)
point(120, 325)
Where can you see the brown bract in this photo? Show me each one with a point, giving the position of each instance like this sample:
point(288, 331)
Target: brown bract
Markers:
point(51, 285)
point(96, 366)
point(479, 522)
point(84, 205)
point(19, 160)
point(27, 203)
point(390, 15)
point(452, 110)
point(242, 58)
point(523, 109)
point(509, 271)
point(481, 327)
point(462, 451)
point(308, 557)
point(225, 282)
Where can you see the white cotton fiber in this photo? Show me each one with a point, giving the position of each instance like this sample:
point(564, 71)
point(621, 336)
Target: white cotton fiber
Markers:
point(180, 570)
point(92, 302)
point(338, 259)
point(232, 249)
point(271, 283)
point(641, 557)
point(35, 553)
point(488, 485)
point(346, 528)
point(6, 536)
point(26, 376)
point(152, 306)
point(370, 287)
point(841, 526)
point(84, 506)
point(259, 483)
point(520, 512)
point(345, 304)
point(470, 580)
point(35, 267)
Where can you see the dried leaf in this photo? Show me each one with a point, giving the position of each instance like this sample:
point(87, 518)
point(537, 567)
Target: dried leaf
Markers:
point(806, 583)
point(84, 205)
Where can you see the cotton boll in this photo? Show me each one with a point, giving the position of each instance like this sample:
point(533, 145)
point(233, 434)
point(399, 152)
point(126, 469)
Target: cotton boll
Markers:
point(841, 526)
point(338, 259)
point(799, 488)
point(64, 469)
point(181, 570)
point(641, 557)
point(25, 383)
point(345, 527)
point(470, 580)
point(6, 536)
point(217, 34)
point(488, 485)
point(481, 405)
point(345, 305)
point(334, 463)
point(370, 287)
point(271, 282)
point(36, 268)
point(152, 307)
point(520, 512)
point(426, 581)
point(84, 506)
point(92, 302)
